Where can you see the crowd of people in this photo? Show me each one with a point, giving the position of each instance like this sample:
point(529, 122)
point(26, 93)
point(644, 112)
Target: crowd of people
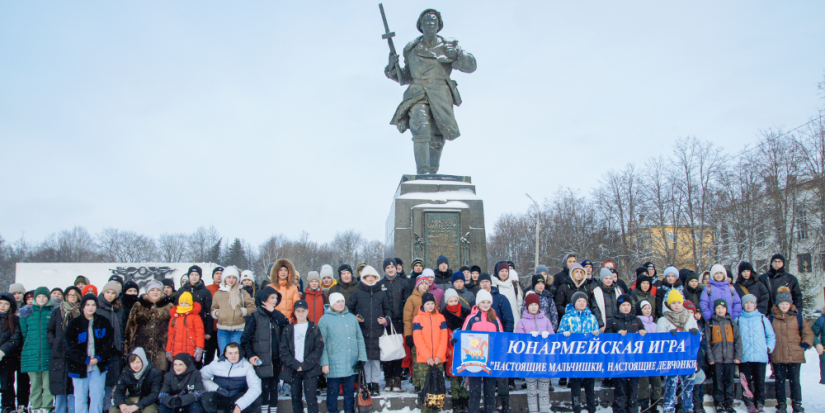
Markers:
point(229, 345)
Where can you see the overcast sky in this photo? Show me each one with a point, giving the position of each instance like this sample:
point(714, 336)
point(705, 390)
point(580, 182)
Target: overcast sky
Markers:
point(263, 117)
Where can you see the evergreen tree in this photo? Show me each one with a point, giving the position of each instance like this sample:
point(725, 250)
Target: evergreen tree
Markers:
point(215, 252)
point(236, 255)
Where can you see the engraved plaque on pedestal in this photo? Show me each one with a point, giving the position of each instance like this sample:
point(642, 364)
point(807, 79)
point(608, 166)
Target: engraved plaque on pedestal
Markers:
point(442, 237)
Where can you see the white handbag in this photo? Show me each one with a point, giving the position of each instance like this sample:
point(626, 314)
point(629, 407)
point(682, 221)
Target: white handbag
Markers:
point(392, 345)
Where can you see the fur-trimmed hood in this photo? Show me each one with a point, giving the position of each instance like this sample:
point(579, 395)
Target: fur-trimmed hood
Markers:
point(293, 273)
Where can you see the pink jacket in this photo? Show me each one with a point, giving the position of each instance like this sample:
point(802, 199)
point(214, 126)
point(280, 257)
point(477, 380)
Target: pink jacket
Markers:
point(530, 323)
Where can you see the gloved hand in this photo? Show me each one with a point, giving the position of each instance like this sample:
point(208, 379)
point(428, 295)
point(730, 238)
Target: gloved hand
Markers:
point(694, 331)
point(545, 334)
point(359, 365)
point(566, 334)
point(198, 354)
point(223, 391)
point(453, 341)
point(595, 332)
point(804, 346)
point(175, 402)
point(169, 356)
point(535, 334)
point(410, 341)
point(674, 331)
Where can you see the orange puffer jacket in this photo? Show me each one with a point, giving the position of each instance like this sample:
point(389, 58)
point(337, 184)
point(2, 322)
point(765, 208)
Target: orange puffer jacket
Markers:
point(315, 301)
point(185, 331)
point(430, 334)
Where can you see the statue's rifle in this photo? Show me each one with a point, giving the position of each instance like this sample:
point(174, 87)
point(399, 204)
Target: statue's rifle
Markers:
point(389, 35)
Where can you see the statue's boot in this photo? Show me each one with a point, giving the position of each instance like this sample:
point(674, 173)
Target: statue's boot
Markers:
point(435, 159)
point(422, 157)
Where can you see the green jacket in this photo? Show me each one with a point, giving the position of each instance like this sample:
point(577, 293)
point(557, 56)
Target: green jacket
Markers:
point(819, 330)
point(34, 321)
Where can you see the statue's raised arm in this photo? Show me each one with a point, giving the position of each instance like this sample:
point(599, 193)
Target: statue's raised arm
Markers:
point(427, 108)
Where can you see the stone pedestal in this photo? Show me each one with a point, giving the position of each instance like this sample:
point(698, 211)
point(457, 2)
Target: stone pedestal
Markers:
point(434, 215)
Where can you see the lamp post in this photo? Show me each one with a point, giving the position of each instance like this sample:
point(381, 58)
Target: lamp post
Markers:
point(538, 226)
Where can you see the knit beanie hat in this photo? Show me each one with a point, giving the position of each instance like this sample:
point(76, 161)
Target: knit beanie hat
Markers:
point(783, 295)
point(427, 297)
point(216, 270)
point(748, 298)
point(127, 285)
point(421, 278)
point(458, 275)
point(532, 298)
point(326, 271)
point(585, 263)
point(41, 291)
point(89, 289)
point(542, 269)
point(416, 261)
point(502, 265)
point(112, 285)
point(475, 268)
point(483, 295)
point(151, 285)
point(56, 289)
point(388, 262)
point(185, 298)
point(690, 306)
point(428, 272)
point(17, 288)
point(248, 275)
point(604, 272)
point(196, 269)
point(578, 295)
point(537, 278)
point(624, 298)
point(368, 271)
point(717, 268)
point(442, 259)
point(673, 296)
point(672, 270)
point(313, 275)
point(719, 302)
point(484, 276)
point(336, 297)
point(691, 276)
point(167, 282)
point(88, 297)
point(231, 271)
point(398, 261)
point(448, 294)
point(300, 304)
point(81, 279)
point(342, 268)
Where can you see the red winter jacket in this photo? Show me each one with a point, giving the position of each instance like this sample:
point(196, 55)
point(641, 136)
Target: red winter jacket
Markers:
point(185, 331)
point(315, 301)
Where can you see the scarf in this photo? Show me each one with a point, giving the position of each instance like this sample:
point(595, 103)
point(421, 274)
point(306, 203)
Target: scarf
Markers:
point(454, 309)
point(391, 278)
point(69, 311)
point(235, 294)
point(678, 318)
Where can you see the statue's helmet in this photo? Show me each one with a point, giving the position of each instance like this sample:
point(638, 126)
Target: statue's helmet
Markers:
point(426, 12)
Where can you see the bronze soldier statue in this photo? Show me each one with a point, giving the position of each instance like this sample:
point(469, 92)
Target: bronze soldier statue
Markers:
point(427, 109)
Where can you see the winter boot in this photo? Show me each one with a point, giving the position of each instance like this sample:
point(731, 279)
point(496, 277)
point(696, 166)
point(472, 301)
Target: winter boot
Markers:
point(551, 388)
point(577, 406)
point(377, 390)
point(781, 408)
point(273, 409)
point(797, 408)
point(643, 405)
point(607, 384)
point(749, 405)
point(398, 385)
point(388, 384)
point(562, 382)
point(405, 374)
point(505, 405)
point(654, 406)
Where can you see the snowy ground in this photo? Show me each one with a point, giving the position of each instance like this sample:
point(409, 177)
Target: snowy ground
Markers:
point(813, 393)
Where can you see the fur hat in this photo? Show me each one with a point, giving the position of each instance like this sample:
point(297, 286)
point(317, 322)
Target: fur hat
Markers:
point(326, 271)
point(532, 298)
point(483, 295)
point(457, 276)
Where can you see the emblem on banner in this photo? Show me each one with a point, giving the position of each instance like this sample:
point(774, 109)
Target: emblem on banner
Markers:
point(475, 348)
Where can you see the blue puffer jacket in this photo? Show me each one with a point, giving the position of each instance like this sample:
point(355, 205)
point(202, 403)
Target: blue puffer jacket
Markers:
point(758, 338)
point(576, 321)
point(343, 342)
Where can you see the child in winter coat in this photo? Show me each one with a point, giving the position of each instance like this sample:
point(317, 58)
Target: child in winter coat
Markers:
point(642, 292)
point(230, 306)
point(483, 318)
point(371, 307)
point(231, 383)
point(625, 390)
point(34, 320)
point(676, 319)
point(11, 340)
point(724, 352)
point(186, 333)
point(819, 342)
point(314, 297)
point(719, 288)
point(534, 322)
point(545, 291)
point(430, 337)
point(699, 376)
point(327, 279)
point(138, 387)
point(89, 355)
point(344, 351)
point(435, 290)
point(793, 337)
point(650, 388)
point(465, 296)
point(670, 282)
point(578, 319)
point(301, 349)
point(455, 314)
point(260, 340)
point(182, 387)
point(758, 340)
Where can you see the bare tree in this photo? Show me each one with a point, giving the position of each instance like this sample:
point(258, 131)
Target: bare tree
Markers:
point(127, 246)
point(172, 247)
point(201, 243)
point(348, 245)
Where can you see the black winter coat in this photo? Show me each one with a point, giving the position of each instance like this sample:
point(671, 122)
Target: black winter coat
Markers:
point(200, 295)
point(128, 301)
point(755, 287)
point(773, 280)
point(456, 322)
point(187, 386)
point(371, 303)
point(313, 349)
point(564, 295)
point(693, 294)
point(262, 337)
point(443, 277)
point(345, 289)
point(610, 307)
point(397, 293)
point(76, 342)
point(11, 342)
point(146, 389)
point(113, 313)
point(662, 291)
point(59, 382)
point(628, 322)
